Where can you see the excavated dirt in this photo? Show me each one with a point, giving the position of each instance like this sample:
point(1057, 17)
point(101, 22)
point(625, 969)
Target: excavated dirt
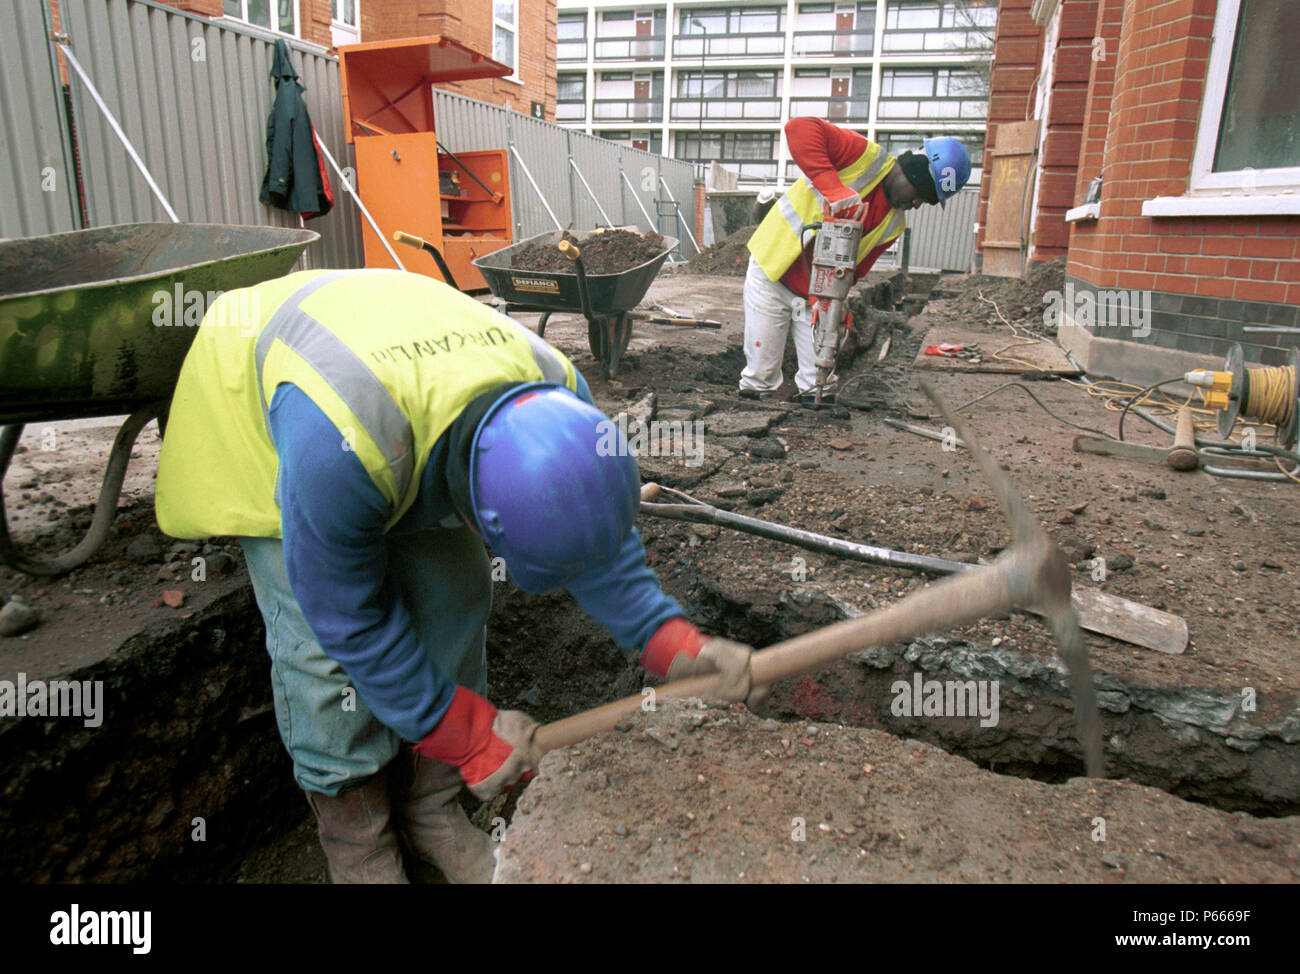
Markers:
point(728, 257)
point(712, 795)
point(190, 733)
point(602, 253)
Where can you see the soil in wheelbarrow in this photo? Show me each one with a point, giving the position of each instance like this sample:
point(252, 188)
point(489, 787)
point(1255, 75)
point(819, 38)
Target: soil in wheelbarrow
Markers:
point(610, 252)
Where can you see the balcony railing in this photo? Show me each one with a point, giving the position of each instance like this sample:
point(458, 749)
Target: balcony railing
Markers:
point(937, 109)
point(833, 43)
point(571, 50)
point(907, 40)
point(627, 109)
point(751, 109)
point(687, 46)
point(625, 48)
point(832, 109)
point(570, 111)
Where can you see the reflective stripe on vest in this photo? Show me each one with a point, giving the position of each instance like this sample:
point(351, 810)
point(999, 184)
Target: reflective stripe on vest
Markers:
point(359, 388)
point(778, 241)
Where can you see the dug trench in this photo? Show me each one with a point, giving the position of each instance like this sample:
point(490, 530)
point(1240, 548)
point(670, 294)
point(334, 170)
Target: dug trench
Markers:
point(186, 779)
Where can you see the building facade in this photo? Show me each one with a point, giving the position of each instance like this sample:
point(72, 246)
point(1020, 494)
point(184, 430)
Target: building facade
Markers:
point(517, 33)
point(710, 82)
point(1166, 168)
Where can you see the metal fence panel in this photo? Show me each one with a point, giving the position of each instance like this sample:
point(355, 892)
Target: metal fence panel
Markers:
point(466, 125)
point(193, 96)
point(37, 180)
point(944, 239)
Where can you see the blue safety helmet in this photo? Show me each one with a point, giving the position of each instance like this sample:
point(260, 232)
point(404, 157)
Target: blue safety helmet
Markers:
point(949, 165)
point(554, 488)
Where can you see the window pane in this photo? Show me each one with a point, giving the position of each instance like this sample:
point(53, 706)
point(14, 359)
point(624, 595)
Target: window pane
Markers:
point(504, 11)
point(286, 16)
point(571, 28)
point(231, 8)
point(1260, 128)
point(259, 12)
point(503, 46)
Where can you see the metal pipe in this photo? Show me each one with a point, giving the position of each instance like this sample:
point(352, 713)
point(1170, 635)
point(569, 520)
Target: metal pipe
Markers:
point(347, 185)
point(117, 130)
point(644, 212)
point(677, 206)
point(603, 215)
point(536, 188)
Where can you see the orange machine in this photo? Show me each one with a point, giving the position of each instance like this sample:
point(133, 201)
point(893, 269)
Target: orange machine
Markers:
point(458, 203)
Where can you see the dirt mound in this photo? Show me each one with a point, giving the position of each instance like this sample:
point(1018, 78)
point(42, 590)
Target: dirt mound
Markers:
point(1020, 299)
point(728, 257)
point(602, 253)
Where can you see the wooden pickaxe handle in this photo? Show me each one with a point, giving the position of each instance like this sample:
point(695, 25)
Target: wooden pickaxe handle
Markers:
point(953, 602)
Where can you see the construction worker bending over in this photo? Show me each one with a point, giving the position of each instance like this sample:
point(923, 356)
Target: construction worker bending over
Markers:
point(845, 177)
point(364, 434)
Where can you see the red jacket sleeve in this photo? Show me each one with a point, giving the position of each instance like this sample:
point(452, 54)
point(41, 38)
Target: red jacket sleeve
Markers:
point(821, 149)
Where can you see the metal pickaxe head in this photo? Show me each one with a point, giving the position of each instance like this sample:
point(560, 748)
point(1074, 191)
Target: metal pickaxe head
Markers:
point(1039, 576)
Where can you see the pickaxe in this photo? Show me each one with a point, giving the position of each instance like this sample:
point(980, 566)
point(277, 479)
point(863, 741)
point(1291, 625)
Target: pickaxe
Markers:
point(1032, 571)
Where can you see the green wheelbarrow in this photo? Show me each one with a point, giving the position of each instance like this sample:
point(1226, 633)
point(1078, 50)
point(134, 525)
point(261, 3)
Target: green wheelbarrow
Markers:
point(97, 323)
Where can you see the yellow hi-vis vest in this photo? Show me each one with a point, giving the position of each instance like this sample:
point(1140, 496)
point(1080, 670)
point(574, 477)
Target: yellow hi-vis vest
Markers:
point(390, 358)
point(776, 243)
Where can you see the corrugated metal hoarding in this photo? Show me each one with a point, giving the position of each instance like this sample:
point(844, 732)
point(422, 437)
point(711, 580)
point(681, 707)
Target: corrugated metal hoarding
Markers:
point(37, 182)
point(466, 125)
point(193, 97)
point(944, 239)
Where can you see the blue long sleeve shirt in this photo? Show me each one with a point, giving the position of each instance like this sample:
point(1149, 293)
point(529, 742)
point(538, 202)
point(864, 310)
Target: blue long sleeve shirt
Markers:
point(332, 521)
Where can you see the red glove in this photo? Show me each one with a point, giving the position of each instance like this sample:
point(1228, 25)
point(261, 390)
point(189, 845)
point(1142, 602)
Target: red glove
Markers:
point(678, 650)
point(844, 204)
point(493, 749)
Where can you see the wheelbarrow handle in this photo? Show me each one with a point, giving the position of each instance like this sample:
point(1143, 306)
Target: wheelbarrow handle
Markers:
point(571, 250)
point(419, 243)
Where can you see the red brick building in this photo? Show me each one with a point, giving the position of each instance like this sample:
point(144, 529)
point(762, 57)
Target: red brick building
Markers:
point(520, 34)
point(1188, 112)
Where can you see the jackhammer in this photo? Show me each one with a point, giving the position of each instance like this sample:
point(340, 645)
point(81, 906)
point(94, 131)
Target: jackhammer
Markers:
point(834, 261)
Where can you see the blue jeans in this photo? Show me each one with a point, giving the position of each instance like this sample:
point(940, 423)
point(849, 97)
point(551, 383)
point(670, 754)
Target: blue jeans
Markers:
point(445, 582)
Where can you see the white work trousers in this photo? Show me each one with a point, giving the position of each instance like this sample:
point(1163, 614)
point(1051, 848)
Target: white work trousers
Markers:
point(770, 309)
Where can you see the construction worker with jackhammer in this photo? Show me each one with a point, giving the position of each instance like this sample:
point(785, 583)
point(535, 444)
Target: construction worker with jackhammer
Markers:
point(845, 178)
point(365, 434)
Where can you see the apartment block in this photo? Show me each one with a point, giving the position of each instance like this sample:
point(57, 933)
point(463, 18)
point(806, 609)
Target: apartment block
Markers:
point(709, 82)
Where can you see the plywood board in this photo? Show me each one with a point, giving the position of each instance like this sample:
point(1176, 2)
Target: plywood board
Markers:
point(1040, 355)
point(1009, 174)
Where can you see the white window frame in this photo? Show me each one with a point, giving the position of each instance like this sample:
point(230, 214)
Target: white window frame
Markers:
point(335, 22)
point(514, 33)
point(274, 9)
point(1237, 192)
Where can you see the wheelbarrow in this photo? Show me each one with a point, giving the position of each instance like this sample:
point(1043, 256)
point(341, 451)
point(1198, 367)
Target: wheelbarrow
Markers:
point(97, 323)
point(605, 300)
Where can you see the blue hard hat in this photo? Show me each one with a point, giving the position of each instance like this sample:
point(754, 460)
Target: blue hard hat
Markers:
point(555, 489)
point(949, 165)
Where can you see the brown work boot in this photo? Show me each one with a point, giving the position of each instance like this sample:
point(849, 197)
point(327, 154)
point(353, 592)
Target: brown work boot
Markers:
point(354, 830)
point(434, 825)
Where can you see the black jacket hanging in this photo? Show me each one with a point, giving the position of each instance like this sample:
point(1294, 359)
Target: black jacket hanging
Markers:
point(295, 172)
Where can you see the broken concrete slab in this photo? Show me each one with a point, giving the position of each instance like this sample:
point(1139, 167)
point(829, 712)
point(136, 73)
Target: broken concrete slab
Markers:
point(689, 793)
point(684, 469)
point(739, 423)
